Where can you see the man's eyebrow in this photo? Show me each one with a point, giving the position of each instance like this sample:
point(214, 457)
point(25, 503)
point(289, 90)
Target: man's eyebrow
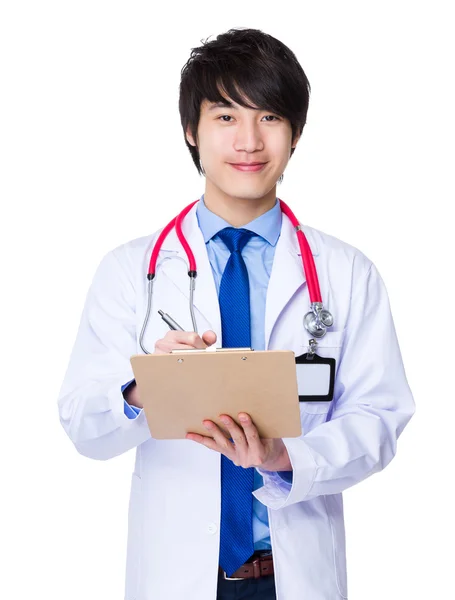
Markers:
point(227, 104)
point(222, 105)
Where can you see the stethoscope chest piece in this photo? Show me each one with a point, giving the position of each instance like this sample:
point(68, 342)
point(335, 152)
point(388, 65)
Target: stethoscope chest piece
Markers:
point(317, 320)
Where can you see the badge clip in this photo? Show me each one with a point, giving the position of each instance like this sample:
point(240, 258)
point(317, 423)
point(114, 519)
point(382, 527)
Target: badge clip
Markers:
point(311, 349)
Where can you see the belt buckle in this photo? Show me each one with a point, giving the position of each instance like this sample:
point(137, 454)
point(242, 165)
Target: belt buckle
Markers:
point(232, 578)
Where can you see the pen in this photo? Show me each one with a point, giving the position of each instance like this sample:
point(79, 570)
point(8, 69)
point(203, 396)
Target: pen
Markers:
point(170, 321)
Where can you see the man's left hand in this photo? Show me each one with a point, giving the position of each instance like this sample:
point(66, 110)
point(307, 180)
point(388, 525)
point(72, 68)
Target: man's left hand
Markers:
point(247, 449)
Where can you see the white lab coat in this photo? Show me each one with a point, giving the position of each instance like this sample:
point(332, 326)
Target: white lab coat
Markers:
point(175, 487)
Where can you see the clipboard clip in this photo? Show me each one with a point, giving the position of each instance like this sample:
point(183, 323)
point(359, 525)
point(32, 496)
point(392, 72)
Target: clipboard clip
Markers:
point(209, 349)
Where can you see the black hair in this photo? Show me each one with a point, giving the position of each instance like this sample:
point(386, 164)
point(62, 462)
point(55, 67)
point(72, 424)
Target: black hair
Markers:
point(249, 62)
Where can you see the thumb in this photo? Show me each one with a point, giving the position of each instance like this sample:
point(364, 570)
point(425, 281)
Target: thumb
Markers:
point(209, 337)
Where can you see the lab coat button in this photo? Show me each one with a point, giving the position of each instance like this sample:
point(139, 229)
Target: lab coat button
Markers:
point(212, 528)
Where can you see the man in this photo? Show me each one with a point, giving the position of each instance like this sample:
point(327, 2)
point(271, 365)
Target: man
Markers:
point(239, 517)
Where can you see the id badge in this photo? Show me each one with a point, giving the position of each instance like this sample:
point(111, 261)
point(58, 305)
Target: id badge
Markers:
point(315, 377)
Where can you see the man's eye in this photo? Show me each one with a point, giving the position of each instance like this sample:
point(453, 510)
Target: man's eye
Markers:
point(229, 117)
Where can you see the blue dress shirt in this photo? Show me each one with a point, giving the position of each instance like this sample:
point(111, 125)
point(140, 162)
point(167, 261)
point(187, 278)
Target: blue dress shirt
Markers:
point(258, 255)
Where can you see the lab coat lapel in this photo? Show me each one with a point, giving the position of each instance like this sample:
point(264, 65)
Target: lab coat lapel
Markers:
point(287, 274)
point(205, 296)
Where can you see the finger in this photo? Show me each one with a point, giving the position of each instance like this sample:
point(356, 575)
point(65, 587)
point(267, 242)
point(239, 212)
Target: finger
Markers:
point(185, 337)
point(250, 431)
point(163, 347)
point(179, 340)
point(209, 337)
point(205, 441)
point(236, 432)
point(224, 444)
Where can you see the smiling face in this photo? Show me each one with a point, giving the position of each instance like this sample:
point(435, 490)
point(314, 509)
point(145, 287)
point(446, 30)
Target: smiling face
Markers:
point(229, 134)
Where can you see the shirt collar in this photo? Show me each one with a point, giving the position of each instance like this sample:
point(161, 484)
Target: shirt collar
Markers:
point(268, 225)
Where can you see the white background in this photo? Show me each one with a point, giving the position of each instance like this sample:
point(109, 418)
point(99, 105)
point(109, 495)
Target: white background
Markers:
point(92, 156)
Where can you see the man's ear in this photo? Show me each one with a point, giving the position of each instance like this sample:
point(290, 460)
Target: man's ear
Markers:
point(296, 139)
point(189, 137)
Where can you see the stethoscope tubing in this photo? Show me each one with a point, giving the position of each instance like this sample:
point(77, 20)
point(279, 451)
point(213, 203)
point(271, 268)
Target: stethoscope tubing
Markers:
point(305, 250)
point(307, 257)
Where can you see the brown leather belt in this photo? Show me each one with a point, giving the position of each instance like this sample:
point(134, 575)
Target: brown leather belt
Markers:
point(255, 567)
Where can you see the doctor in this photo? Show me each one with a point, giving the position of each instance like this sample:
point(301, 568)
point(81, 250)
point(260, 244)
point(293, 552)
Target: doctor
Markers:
point(240, 517)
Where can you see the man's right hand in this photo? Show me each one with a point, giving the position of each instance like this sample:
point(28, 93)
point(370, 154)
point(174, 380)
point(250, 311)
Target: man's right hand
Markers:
point(184, 340)
point(174, 340)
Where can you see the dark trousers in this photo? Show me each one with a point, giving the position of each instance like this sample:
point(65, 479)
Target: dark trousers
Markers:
point(262, 588)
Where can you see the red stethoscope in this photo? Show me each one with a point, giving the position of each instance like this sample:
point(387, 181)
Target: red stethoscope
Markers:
point(316, 321)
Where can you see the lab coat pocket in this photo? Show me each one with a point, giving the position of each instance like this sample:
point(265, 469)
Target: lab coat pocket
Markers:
point(134, 544)
point(328, 347)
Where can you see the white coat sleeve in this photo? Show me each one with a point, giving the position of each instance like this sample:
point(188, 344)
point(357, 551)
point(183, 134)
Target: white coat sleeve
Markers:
point(373, 404)
point(91, 403)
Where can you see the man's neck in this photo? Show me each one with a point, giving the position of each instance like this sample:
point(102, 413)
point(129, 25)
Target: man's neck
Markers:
point(237, 211)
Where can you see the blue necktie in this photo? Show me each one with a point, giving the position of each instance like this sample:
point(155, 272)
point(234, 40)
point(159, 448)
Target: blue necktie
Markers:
point(237, 483)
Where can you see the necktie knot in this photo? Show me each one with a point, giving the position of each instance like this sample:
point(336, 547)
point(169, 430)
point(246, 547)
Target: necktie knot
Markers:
point(235, 239)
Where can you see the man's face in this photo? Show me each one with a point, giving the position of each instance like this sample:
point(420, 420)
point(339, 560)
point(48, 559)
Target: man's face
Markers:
point(228, 135)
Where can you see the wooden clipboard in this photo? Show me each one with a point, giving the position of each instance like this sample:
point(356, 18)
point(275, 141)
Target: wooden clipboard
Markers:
point(182, 388)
